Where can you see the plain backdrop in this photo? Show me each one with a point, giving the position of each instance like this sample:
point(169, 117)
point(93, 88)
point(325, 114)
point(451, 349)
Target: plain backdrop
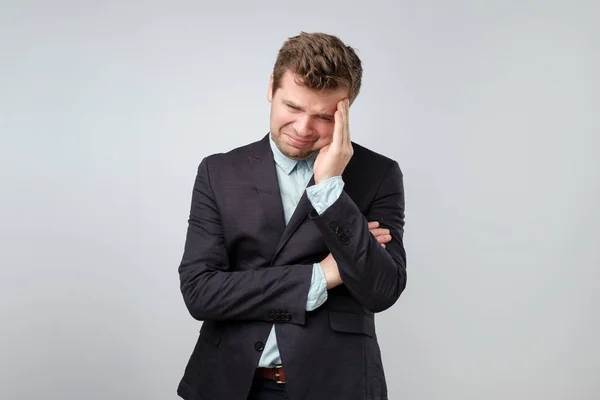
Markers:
point(490, 108)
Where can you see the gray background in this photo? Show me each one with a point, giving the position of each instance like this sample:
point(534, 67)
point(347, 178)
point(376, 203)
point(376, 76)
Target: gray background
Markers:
point(491, 109)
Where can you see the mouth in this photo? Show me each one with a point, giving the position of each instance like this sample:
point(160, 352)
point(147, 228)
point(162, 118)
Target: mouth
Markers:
point(299, 142)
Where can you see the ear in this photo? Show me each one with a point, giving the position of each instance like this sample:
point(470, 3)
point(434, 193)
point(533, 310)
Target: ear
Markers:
point(270, 90)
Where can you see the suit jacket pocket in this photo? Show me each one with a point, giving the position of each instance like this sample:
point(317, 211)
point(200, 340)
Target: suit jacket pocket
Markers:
point(211, 332)
point(352, 323)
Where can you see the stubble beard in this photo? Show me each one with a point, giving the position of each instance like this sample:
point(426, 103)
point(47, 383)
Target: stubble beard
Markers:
point(304, 154)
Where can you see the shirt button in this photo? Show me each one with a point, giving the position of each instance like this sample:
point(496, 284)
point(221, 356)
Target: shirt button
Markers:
point(259, 346)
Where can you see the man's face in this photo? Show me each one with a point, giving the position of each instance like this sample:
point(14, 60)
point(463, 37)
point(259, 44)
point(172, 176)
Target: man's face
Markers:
point(302, 119)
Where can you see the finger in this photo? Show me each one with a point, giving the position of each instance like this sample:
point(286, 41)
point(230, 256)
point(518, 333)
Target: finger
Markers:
point(338, 129)
point(383, 245)
point(373, 225)
point(343, 107)
point(375, 233)
point(347, 122)
point(344, 130)
point(380, 231)
point(383, 238)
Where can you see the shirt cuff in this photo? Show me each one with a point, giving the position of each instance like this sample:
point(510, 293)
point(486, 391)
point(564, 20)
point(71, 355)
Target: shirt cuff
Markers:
point(325, 193)
point(317, 293)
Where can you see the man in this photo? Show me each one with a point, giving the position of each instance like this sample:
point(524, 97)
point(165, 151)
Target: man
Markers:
point(294, 243)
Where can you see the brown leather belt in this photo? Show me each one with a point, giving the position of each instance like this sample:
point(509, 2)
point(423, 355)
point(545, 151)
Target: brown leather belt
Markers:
point(276, 374)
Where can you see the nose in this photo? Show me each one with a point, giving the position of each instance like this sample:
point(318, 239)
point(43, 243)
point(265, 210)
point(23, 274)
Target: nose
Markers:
point(303, 126)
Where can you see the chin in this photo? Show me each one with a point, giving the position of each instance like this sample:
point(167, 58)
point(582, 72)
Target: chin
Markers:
point(294, 152)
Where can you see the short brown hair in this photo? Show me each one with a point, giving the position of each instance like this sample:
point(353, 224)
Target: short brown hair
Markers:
point(321, 62)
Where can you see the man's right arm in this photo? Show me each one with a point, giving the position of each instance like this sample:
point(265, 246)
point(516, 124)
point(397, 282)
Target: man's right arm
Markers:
point(212, 291)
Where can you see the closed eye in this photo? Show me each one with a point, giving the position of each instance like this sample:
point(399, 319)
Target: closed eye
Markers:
point(293, 107)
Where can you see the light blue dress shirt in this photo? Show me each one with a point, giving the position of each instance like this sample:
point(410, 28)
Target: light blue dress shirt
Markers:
point(293, 176)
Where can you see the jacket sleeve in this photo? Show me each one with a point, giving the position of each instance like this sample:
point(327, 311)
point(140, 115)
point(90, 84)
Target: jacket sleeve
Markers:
point(212, 291)
point(374, 275)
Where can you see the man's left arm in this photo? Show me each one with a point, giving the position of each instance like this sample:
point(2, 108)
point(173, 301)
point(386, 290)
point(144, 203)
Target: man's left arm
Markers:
point(376, 276)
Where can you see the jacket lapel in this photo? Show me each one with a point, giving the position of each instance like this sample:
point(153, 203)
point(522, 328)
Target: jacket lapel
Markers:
point(302, 209)
point(267, 184)
point(265, 178)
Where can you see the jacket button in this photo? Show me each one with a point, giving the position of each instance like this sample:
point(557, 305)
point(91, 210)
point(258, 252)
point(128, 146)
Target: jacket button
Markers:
point(259, 346)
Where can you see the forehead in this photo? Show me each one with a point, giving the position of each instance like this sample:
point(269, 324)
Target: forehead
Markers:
point(291, 90)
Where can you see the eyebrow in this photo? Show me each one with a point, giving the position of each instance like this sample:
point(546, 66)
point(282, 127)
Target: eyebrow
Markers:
point(296, 106)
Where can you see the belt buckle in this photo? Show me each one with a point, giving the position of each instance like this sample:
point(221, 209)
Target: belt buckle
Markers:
point(277, 374)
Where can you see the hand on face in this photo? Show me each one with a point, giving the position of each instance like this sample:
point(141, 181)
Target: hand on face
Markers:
point(334, 157)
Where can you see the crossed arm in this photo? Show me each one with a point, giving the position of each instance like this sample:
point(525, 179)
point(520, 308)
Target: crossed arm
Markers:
point(374, 275)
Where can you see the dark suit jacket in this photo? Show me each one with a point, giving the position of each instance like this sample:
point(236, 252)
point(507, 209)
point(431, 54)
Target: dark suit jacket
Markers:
point(244, 270)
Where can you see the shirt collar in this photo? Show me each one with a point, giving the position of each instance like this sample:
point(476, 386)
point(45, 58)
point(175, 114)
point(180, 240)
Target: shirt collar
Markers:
point(286, 163)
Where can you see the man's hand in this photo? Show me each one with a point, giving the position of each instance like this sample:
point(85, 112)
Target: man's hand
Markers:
point(331, 271)
point(329, 265)
point(382, 235)
point(334, 157)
